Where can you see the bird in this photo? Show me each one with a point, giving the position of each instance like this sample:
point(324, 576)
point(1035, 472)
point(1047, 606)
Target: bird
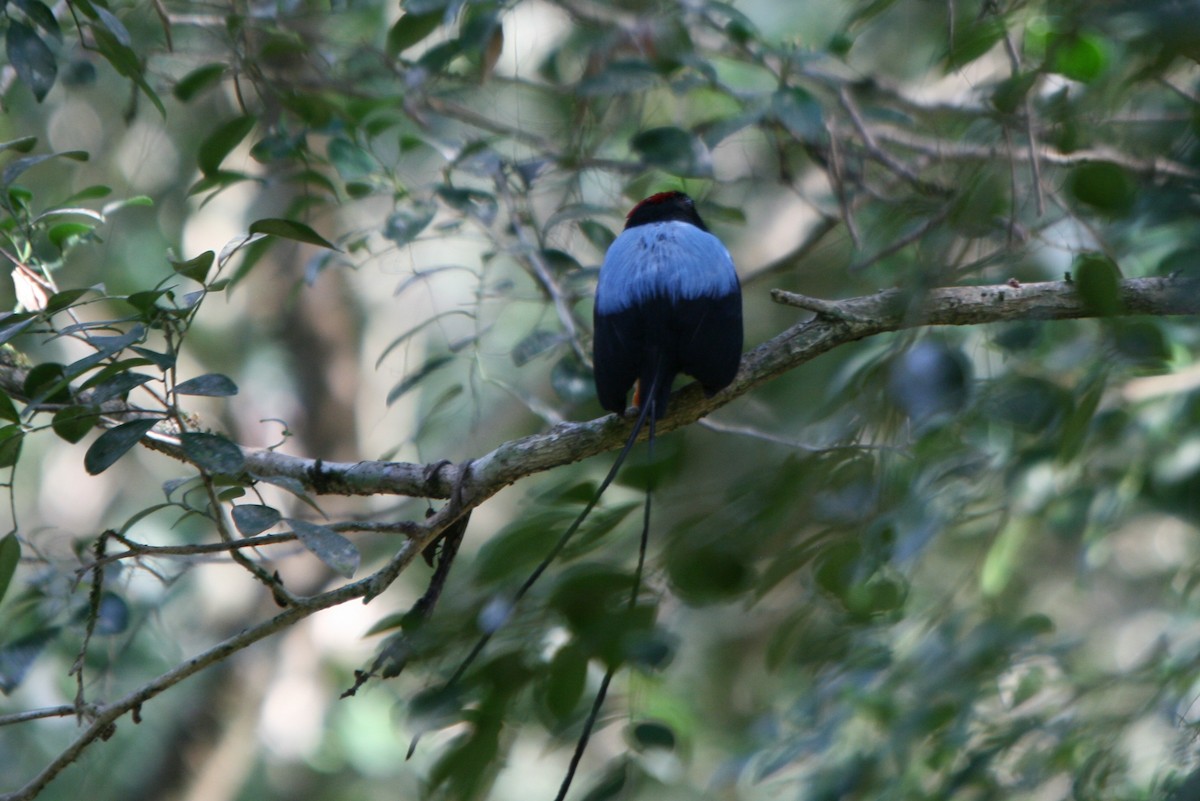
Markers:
point(668, 301)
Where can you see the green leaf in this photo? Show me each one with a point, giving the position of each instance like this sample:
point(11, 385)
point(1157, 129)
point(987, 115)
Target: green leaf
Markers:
point(195, 268)
point(1081, 57)
point(565, 682)
point(800, 113)
point(534, 345)
point(117, 386)
point(74, 422)
point(411, 29)
point(8, 411)
point(17, 657)
point(668, 148)
point(330, 547)
point(31, 59)
point(1003, 557)
point(649, 735)
point(404, 225)
point(115, 443)
point(218, 144)
point(290, 229)
point(63, 234)
point(22, 145)
point(198, 80)
point(210, 384)
point(213, 453)
point(47, 383)
point(973, 39)
point(255, 518)
point(12, 171)
point(40, 15)
point(599, 235)
point(11, 438)
point(1098, 282)
point(431, 365)
point(62, 300)
point(350, 160)
point(1105, 186)
point(125, 61)
point(13, 324)
point(10, 555)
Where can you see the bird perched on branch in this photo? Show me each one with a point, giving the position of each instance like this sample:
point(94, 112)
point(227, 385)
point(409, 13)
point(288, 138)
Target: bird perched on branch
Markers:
point(668, 302)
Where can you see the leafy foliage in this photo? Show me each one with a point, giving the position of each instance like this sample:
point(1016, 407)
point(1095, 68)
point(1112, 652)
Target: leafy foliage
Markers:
point(932, 564)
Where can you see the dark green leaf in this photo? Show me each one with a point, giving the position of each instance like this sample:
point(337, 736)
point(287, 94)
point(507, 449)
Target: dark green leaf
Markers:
point(125, 61)
point(74, 422)
point(114, 25)
point(350, 160)
point(61, 300)
point(599, 235)
point(31, 59)
point(163, 361)
point(18, 656)
point(196, 268)
point(211, 384)
point(14, 170)
point(534, 345)
point(973, 39)
point(221, 142)
point(198, 80)
point(611, 784)
point(8, 411)
point(411, 29)
point(404, 225)
point(330, 547)
point(650, 735)
point(116, 386)
point(1081, 58)
point(1103, 185)
point(290, 229)
point(47, 383)
point(13, 324)
point(213, 453)
point(22, 145)
point(253, 518)
point(40, 15)
point(115, 443)
point(565, 682)
point(431, 365)
point(11, 438)
point(10, 555)
point(1098, 282)
point(800, 113)
point(669, 148)
point(63, 234)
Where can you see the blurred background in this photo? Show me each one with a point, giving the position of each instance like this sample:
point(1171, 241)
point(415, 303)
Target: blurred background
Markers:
point(942, 563)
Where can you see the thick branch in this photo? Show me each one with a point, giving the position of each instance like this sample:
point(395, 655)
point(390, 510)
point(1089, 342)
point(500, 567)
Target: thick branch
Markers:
point(836, 323)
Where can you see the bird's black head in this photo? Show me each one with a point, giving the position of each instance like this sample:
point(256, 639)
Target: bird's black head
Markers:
point(665, 207)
